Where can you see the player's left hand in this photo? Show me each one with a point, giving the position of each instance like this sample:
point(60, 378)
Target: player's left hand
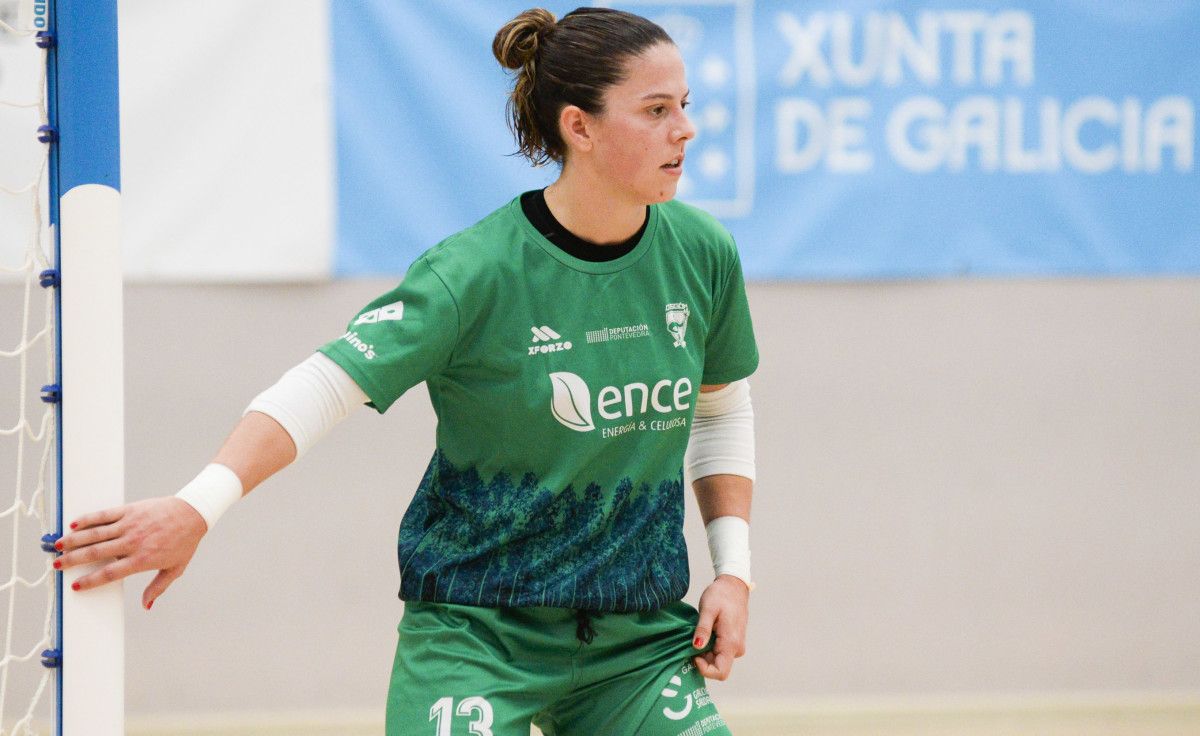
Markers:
point(724, 610)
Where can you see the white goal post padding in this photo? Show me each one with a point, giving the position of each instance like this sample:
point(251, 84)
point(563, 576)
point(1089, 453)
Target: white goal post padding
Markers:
point(93, 468)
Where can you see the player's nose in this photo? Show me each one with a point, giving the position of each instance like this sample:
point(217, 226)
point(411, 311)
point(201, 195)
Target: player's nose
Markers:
point(684, 130)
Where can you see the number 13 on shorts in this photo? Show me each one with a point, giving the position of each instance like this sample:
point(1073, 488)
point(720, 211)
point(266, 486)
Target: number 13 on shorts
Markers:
point(443, 713)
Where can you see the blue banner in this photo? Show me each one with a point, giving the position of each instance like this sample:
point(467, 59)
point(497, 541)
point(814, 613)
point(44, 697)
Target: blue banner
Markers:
point(852, 139)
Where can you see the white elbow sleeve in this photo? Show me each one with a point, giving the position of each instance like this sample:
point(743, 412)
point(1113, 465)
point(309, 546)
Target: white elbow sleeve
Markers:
point(310, 399)
point(722, 439)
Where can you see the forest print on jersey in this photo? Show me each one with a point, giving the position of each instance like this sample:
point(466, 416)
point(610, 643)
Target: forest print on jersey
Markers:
point(506, 542)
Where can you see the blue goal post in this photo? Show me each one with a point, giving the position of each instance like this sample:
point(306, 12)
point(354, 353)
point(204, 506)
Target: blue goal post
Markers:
point(84, 135)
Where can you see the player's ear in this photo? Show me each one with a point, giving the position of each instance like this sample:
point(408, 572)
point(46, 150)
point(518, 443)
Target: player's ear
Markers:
point(575, 127)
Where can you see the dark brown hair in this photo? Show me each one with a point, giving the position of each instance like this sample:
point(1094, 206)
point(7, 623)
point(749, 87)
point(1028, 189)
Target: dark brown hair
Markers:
point(568, 62)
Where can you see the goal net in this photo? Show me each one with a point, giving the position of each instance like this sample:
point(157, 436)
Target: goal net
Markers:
point(27, 363)
point(61, 368)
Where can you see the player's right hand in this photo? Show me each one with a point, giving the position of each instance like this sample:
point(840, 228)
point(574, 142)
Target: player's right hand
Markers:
point(156, 534)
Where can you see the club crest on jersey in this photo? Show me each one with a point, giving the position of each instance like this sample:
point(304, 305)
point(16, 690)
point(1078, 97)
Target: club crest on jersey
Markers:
point(677, 319)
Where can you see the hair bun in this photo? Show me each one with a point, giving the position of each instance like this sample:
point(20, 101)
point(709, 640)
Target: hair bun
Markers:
point(516, 44)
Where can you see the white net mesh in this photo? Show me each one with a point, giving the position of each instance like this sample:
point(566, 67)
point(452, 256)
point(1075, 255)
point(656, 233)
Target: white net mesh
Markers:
point(27, 345)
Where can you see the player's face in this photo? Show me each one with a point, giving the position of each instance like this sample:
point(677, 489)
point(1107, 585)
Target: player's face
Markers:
point(641, 135)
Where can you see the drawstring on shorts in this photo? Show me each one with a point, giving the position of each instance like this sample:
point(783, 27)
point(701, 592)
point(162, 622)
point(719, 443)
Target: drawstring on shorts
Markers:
point(583, 625)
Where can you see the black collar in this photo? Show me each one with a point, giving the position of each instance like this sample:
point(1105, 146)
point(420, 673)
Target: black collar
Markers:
point(533, 204)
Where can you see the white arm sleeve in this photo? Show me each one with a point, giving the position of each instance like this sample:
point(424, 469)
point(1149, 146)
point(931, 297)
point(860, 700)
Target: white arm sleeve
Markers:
point(722, 439)
point(310, 399)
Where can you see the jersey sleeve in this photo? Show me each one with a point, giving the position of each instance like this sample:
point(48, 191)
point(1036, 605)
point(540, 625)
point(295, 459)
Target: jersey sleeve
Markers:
point(400, 338)
point(730, 352)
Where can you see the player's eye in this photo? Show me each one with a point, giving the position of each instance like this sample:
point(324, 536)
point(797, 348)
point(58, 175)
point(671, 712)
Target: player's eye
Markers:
point(657, 110)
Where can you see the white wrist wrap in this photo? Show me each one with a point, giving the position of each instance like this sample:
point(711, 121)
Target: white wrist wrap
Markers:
point(722, 439)
point(729, 545)
point(310, 399)
point(212, 492)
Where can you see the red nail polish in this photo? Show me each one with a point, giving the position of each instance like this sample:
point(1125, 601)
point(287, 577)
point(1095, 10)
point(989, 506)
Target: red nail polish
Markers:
point(75, 586)
point(698, 643)
point(74, 524)
point(58, 546)
point(58, 564)
point(150, 605)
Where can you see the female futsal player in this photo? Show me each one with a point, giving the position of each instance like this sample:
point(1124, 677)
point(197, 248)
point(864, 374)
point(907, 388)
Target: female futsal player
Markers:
point(572, 343)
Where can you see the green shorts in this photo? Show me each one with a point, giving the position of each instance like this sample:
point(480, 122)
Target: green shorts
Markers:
point(468, 671)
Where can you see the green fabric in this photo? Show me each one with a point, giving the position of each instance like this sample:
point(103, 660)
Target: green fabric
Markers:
point(564, 391)
point(492, 671)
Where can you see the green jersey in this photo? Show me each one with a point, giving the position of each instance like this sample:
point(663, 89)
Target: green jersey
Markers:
point(564, 391)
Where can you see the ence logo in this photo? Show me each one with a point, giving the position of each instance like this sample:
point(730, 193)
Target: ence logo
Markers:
point(571, 404)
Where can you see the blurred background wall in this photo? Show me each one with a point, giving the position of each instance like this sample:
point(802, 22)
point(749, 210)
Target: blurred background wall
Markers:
point(978, 405)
